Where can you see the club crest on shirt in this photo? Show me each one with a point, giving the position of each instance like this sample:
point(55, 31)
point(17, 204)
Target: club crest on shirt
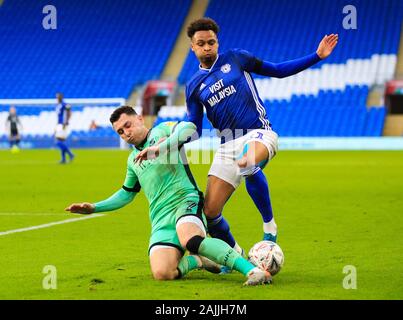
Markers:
point(226, 68)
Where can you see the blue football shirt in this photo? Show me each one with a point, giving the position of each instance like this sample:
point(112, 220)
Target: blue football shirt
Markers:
point(228, 93)
point(61, 111)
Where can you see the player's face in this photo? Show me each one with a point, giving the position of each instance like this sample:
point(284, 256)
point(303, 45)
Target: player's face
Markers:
point(205, 46)
point(130, 128)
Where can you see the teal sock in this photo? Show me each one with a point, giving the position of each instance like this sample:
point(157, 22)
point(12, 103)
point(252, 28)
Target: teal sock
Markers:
point(243, 266)
point(221, 253)
point(187, 264)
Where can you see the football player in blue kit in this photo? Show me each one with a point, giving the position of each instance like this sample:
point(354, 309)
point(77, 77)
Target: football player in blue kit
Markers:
point(63, 112)
point(224, 87)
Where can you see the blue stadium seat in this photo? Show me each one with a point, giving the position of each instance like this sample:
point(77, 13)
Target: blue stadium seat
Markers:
point(89, 55)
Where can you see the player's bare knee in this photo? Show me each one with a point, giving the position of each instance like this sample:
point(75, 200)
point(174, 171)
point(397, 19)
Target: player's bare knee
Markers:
point(188, 227)
point(164, 274)
point(184, 239)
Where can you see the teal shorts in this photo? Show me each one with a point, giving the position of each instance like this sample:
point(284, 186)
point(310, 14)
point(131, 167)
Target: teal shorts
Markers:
point(163, 230)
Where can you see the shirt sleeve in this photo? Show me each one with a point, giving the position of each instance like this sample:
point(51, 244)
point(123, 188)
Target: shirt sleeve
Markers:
point(247, 60)
point(195, 114)
point(167, 127)
point(181, 133)
point(131, 183)
point(118, 200)
point(277, 70)
point(287, 68)
point(123, 196)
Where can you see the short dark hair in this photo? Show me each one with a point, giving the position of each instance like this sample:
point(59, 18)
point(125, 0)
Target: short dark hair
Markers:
point(203, 24)
point(118, 112)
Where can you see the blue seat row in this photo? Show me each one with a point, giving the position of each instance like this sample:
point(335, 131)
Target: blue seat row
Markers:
point(327, 121)
point(101, 48)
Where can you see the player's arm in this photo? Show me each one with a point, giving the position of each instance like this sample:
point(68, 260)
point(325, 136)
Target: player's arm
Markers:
point(181, 133)
point(291, 67)
point(119, 199)
point(195, 114)
point(288, 68)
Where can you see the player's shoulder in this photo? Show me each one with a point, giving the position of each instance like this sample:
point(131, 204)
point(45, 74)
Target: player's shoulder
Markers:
point(239, 52)
point(166, 126)
point(230, 52)
point(242, 57)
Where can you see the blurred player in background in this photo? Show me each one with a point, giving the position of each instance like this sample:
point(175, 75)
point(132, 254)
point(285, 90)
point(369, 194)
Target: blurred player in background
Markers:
point(63, 112)
point(13, 126)
point(176, 203)
point(224, 86)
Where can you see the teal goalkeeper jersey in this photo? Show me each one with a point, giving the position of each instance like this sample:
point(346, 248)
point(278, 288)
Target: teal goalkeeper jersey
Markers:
point(166, 180)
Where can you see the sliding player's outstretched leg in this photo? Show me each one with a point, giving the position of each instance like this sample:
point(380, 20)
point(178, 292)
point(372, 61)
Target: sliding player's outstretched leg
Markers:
point(220, 252)
point(193, 238)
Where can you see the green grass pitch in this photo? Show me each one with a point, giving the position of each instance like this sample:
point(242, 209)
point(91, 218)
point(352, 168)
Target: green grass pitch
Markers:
point(333, 209)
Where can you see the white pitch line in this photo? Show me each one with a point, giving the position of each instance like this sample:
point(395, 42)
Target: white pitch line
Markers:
point(47, 225)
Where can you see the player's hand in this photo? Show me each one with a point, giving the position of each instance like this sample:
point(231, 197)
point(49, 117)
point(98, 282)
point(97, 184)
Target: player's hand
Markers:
point(84, 207)
point(147, 154)
point(327, 45)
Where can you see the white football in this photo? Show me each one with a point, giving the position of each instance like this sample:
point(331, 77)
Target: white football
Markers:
point(267, 255)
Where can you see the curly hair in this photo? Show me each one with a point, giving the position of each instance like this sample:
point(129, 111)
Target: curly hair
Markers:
point(203, 24)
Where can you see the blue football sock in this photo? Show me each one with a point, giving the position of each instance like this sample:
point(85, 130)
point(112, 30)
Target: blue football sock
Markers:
point(71, 155)
point(66, 149)
point(62, 148)
point(219, 228)
point(258, 189)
